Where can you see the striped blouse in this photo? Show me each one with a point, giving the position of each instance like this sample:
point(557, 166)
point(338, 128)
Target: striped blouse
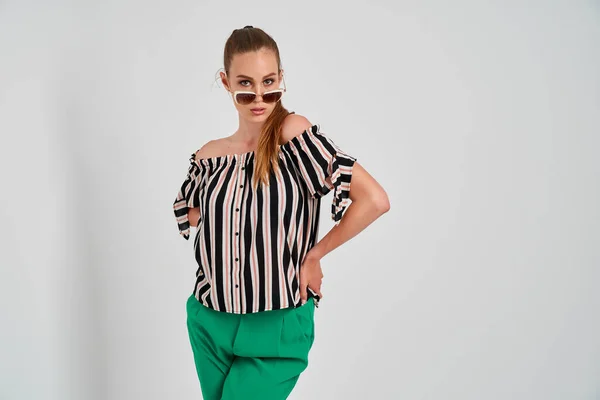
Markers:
point(250, 243)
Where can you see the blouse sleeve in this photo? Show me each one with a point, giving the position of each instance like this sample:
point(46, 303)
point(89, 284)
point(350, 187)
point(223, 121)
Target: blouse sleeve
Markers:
point(317, 158)
point(188, 195)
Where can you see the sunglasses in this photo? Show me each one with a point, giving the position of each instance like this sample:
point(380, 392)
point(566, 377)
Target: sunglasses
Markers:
point(244, 98)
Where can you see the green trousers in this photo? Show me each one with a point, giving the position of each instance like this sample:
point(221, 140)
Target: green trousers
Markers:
point(249, 356)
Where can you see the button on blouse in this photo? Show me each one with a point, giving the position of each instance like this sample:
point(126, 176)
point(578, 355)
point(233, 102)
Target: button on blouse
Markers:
point(250, 242)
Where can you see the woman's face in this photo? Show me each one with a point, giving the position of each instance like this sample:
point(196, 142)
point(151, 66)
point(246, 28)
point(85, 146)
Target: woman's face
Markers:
point(257, 72)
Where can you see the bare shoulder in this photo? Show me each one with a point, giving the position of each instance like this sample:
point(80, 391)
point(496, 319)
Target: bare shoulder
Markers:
point(293, 125)
point(212, 148)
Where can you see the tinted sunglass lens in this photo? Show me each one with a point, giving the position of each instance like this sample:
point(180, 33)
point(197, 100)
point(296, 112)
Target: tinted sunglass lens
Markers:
point(245, 98)
point(271, 97)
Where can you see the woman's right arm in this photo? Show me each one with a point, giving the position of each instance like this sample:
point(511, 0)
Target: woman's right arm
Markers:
point(194, 216)
point(203, 152)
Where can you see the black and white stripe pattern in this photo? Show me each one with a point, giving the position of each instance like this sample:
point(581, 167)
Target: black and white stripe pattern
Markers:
point(250, 243)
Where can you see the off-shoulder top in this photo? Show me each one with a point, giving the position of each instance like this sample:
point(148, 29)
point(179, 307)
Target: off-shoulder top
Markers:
point(250, 243)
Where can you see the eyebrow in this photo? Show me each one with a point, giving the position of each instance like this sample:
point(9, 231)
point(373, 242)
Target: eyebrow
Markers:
point(247, 77)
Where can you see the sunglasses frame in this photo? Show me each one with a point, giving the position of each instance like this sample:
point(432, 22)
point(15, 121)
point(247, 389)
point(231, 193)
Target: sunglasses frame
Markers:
point(236, 92)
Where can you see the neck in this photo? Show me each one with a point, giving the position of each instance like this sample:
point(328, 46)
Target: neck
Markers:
point(248, 133)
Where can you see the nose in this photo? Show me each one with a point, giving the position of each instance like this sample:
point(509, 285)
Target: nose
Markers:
point(258, 98)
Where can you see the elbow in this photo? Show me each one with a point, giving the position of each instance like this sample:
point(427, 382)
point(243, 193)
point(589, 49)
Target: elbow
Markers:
point(382, 202)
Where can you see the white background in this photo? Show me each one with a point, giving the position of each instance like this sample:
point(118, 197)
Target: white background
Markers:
point(480, 121)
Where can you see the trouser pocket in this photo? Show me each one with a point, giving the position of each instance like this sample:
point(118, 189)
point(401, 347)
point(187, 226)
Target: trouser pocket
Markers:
point(305, 316)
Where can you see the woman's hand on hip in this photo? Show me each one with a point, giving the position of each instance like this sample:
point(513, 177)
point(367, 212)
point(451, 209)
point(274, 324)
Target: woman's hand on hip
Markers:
point(311, 276)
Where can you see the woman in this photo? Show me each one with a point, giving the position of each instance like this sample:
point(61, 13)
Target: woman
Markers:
point(254, 198)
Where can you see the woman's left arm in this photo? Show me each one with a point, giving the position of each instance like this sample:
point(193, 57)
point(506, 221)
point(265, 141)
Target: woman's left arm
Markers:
point(369, 202)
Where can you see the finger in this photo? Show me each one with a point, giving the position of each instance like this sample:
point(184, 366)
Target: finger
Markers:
point(316, 290)
point(303, 295)
point(319, 290)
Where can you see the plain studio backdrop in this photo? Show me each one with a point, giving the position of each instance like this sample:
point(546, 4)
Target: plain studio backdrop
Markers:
point(480, 121)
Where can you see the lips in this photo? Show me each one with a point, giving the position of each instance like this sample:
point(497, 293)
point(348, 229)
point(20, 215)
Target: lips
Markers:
point(257, 109)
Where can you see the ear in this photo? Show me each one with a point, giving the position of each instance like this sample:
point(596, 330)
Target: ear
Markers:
point(224, 80)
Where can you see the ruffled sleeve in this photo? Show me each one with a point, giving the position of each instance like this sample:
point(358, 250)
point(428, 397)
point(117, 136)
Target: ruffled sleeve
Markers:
point(316, 158)
point(189, 195)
